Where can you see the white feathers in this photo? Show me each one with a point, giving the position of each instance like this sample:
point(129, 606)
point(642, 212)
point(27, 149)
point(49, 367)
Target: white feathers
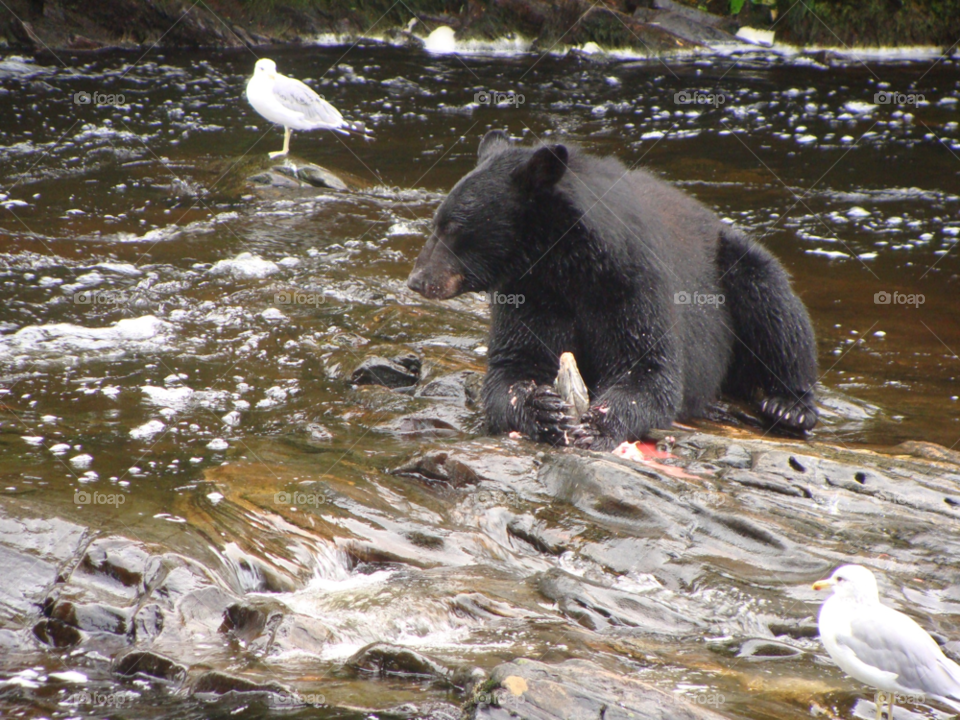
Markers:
point(880, 646)
point(288, 102)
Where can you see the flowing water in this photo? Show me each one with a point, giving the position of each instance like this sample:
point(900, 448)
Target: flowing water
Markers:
point(172, 334)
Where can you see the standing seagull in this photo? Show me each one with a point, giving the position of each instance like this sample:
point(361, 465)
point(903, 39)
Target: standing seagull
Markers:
point(881, 647)
point(288, 102)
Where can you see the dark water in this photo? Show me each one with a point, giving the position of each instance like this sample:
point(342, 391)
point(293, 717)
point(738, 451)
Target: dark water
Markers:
point(179, 364)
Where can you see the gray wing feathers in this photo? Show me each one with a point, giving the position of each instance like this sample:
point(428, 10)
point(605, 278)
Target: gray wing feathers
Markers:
point(298, 97)
point(899, 645)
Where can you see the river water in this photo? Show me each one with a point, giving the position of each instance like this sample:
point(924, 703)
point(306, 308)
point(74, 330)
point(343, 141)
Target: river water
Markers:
point(148, 350)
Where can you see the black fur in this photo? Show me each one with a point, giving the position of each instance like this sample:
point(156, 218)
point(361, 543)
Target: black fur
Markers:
point(599, 254)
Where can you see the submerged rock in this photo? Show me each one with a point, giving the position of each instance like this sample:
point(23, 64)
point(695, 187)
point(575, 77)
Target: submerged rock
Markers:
point(401, 371)
point(320, 177)
point(576, 690)
point(92, 618)
point(461, 387)
point(57, 633)
point(151, 664)
point(215, 682)
point(121, 559)
point(385, 659)
point(439, 466)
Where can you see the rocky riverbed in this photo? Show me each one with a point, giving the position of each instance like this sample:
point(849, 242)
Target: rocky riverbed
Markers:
point(675, 586)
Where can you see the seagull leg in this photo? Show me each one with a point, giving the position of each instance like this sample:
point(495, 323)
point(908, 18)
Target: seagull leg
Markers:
point(878, 701)
point(286, 144)
point(890, 711)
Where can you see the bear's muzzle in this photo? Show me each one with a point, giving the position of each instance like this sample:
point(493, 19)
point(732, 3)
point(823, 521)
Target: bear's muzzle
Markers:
point(437, 273)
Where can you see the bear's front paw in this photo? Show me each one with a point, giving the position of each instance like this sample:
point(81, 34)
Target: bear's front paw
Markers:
point(790, 413)
point(546, 414)
point(588, 435)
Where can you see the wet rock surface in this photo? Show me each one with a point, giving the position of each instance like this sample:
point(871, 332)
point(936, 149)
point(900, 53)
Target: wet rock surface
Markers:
point(401, 371)
point(383, 659)
point(577, 690)
point(625, 558)
point(292, 177)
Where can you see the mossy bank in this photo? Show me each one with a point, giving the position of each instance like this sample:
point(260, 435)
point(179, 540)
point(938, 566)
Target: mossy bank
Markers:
point(52, 25)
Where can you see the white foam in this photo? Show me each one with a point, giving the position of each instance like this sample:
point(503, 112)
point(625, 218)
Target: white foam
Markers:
point(60, 341)
point(755, 36)
point(441, 41)
point(148, 430)
point(245, 265)
point(403, 228)
point(183, 398)
point(859, 108)
point(832, 254)
point(81, 462)
point(120, 268)
point(71, 676)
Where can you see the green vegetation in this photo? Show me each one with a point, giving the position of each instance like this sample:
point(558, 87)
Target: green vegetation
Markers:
point(821, 22)
point(872, 22)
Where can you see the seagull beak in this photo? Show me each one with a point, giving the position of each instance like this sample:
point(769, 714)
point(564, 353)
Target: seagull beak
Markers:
point(824, 584)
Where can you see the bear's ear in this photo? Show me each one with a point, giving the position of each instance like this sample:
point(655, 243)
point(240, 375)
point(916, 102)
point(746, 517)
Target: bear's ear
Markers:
point(492, 138)
point(544, 168)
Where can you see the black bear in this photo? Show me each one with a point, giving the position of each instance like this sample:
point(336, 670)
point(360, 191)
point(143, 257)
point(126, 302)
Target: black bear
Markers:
point(662, 304)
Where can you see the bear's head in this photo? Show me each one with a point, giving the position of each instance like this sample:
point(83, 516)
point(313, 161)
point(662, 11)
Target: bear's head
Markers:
point(478, 238)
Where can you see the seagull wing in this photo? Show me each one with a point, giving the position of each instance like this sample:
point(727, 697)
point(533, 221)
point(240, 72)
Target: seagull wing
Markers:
point(297, 97)
point(891, 641)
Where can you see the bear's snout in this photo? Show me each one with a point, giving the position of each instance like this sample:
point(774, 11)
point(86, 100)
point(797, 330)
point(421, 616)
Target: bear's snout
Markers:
point(436, 274)
point(435, 288)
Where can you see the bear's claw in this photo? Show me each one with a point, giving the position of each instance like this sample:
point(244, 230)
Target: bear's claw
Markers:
point(588, 435)
point(790, 413)
point(549, 414)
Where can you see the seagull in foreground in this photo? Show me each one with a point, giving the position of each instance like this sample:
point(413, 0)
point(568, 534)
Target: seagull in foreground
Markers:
point(881, 647)
point(288, 102)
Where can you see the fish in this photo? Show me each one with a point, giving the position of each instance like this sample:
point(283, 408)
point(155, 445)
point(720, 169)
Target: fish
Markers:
point(570, 386)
